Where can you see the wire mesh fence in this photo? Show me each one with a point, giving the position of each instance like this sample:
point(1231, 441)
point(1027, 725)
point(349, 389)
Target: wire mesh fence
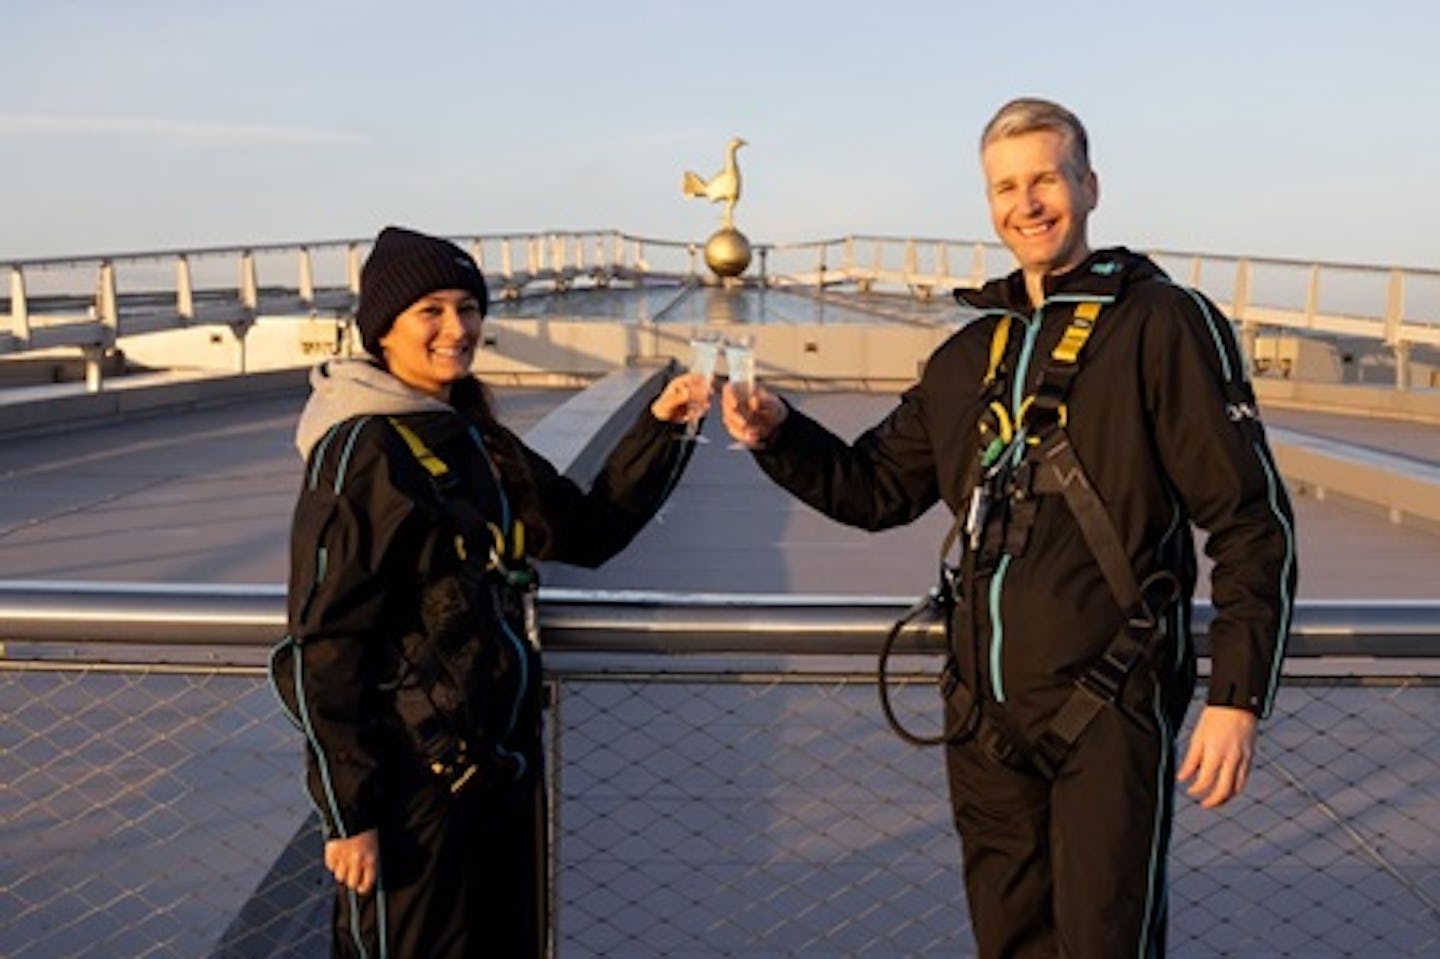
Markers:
point(157, 811)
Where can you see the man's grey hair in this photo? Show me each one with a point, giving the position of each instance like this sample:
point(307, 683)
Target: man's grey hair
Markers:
point(1032, 115)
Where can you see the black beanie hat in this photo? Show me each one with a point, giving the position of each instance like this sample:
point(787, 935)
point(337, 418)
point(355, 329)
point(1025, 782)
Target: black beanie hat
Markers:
point(404, 266)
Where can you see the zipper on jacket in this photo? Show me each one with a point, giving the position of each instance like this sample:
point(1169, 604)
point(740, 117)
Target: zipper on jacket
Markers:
point(1033, 323)
point(997, 581)
point(520, 646)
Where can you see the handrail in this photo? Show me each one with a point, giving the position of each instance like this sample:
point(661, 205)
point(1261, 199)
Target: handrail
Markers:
point(287, 246)
point(111, 295)
point(191, 614)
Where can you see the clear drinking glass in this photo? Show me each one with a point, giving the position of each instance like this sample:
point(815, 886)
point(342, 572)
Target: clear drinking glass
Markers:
point(704, 351)
point(740, 365)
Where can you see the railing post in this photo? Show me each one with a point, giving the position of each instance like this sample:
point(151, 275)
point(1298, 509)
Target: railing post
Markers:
point(1242, 290)
point(1312, 296)
point(352, 270)
point(1394, 317)
point(108, 307)
point(249, 283)
point(307, 279)
point(507, 268)
point(184, 289)
point(19, 308)
point(107, 304)
point(1249, 331)
point(352, 286)
point(604, 268)
point(977, 266)
point(477, 250)
point(250, 298)
point(94, 367)
point(942, 264)
point(1402, 365)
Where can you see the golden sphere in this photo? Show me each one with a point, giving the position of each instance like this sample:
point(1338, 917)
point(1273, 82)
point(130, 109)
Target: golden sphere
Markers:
point(727, 252)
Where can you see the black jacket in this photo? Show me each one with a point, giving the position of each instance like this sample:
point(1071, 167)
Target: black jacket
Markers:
point(1162, 419)
point(372, 529)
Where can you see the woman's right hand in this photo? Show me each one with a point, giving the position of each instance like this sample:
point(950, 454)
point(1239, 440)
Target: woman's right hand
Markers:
point(687, 396)
point(355, 862)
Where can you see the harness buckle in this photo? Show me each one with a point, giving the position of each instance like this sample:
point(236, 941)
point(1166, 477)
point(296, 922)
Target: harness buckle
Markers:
point(1105, 677)
point(1048, 754)
point(977, 514)
point(1020, 483)
point(1000, 747)
point(947, 590)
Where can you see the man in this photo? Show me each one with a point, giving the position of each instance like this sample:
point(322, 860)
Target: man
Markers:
point(1077, 429)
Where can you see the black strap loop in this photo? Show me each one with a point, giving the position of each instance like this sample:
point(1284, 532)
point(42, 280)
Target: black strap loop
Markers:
point(949, 677)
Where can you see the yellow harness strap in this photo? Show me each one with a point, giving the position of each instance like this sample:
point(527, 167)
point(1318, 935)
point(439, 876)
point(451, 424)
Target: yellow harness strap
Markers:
point(436, 467)
point(998, 341)
point(433, 464)
point(1066, 353)
point(1082, 324)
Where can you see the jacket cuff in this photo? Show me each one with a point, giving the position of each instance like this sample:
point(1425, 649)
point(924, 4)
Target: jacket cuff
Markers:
point(356, 822)
point(1228, 691)
point(780, 436)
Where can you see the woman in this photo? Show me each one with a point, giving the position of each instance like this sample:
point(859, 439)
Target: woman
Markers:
point(412, 664)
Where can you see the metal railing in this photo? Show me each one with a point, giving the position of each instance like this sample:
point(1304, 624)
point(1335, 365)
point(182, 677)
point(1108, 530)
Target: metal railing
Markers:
point(87, 302)
point(187, 614)
point(1394, 306)
point(722, 784)
point(90, 302)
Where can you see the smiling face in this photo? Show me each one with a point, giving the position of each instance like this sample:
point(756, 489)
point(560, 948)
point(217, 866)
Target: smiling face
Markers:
point(1040, 198)
point(432, 343)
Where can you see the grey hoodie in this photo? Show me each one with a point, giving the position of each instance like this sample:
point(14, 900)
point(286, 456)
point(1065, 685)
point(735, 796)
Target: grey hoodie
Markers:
point(345, 388)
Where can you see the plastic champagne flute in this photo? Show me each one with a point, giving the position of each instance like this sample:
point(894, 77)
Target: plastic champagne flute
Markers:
point(740, 361)
point(704, 350)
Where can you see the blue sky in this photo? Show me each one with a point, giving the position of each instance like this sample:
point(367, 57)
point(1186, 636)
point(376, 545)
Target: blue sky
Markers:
point(1262, 127)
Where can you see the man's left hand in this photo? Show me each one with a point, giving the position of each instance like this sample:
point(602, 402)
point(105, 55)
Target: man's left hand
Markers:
point(1222, 748)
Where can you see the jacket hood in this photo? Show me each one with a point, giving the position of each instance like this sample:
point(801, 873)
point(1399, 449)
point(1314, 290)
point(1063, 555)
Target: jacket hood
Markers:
point(1104, 273)
point(341, 389)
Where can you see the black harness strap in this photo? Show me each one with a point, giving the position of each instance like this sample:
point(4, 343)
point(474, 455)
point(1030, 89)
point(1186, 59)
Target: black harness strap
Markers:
point(1057, 470)
point(1100, 685)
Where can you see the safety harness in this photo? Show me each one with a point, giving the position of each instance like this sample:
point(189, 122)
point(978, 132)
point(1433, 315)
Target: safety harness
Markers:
point(432, 693)
point(506, 552)
point(1019, 459)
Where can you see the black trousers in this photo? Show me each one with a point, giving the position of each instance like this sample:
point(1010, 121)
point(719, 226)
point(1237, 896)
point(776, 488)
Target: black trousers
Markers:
point(1074, 867)
point(462, 877)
